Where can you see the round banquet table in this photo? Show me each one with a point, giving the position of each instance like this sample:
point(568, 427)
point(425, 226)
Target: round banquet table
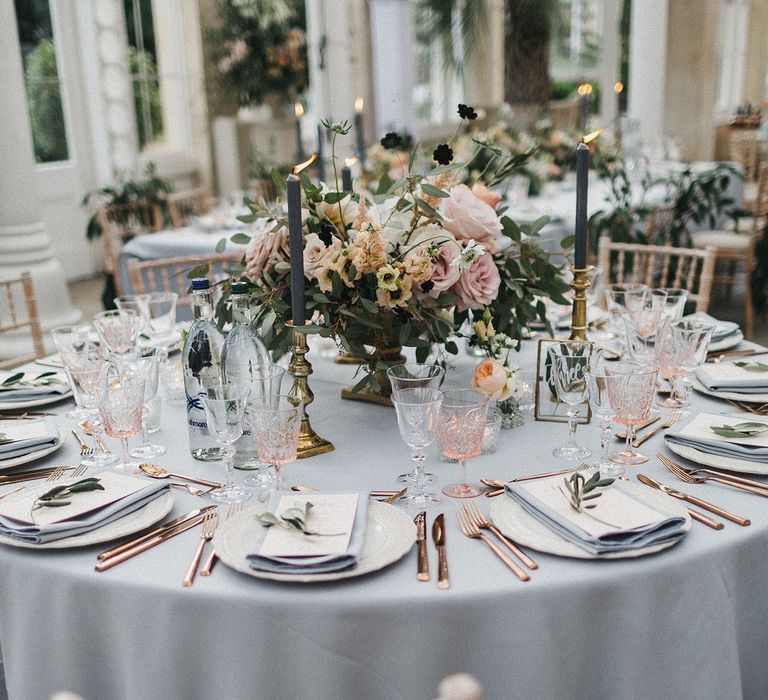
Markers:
point(688, 622)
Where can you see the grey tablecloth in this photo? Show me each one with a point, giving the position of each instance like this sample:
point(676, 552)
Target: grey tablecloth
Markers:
point(690, 622)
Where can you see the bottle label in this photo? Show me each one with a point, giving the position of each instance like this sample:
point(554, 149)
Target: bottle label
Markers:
point(196, 417)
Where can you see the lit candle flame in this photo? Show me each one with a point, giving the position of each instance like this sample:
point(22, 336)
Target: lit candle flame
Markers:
point(349, 162)
point(587, 88)
point(591, 136)
point(359, 105)
point(296, 169)
point(618, 87)
point(582, 89)
point(298, 109)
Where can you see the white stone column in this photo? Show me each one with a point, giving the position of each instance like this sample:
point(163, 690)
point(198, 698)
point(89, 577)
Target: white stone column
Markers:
point(24, 242)
point(393, 39)
point(609, 63)
point(647, 68)
point(484, 69)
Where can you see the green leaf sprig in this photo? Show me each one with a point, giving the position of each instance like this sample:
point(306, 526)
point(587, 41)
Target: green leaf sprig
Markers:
point(58, 496)
point(294, 519)
point(752, 366)
point(582, 489)
point(40, 380)
point(739, 430)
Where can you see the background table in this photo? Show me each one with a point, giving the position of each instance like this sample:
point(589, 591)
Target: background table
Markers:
point(689, 622)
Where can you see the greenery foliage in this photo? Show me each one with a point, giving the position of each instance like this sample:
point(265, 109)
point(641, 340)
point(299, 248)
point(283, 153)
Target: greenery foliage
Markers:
point(45, 107)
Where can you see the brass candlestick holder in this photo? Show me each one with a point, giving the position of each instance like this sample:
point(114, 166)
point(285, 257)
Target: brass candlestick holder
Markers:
point(580, 285)
point(310, 443)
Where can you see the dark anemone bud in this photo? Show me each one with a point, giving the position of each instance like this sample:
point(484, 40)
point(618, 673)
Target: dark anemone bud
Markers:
point(443, 154)
point(326, 234)
point(426, 287)
point(467, 112)
point(392, 140)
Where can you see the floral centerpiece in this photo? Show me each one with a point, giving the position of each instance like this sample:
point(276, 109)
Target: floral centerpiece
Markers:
point(406, 266)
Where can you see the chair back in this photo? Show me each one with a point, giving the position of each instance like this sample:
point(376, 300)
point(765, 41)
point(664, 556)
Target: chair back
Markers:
point(744, 149)
point(659, 224)
point(183, 206)
point(660, 266)
point(18, 310)
point(170, 274)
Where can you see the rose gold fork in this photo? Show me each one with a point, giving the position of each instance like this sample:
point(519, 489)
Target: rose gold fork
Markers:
point(688, 478)
point(478, 519)
point(210, 520)
point(232, 511)
point(469, 530)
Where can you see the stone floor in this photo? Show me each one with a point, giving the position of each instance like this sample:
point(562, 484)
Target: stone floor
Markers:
point(86, 295)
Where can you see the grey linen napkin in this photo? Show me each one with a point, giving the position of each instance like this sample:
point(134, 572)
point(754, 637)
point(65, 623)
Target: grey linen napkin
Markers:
point(723, 329)
point(739, 380)
point(312, 565)
point(668, 528)
point(85, 522)
point(19, 448)
point(716, 445)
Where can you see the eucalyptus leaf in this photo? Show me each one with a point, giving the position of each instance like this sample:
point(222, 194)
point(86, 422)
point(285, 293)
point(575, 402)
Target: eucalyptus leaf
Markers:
point(758, 367)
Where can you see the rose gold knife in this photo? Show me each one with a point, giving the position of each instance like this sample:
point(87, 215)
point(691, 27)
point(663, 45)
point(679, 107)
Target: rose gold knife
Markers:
point(438, 536)
point(421, 542)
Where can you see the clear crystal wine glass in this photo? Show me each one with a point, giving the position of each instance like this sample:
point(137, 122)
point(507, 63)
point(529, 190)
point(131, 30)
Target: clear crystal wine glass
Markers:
point(161, 309)
point(569, 364)
point(266, 382)
point(666, 361)
point(418, 412)
point(601, 407)
point(118, 329)
point(121, 403)
point(275, 422)
point(224, 409)
point(619, 298)
point(691, 341)
point(630, 387)
point(69, 340)
point(412, 375)
point(461, 427)
point(673, 303)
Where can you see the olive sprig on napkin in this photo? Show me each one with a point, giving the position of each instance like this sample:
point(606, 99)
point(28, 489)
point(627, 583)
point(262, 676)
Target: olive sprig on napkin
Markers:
point(40, 380)
point(582, 489)
point(739, 430)
point(294, 518)
point(752, 366)
point(58, 495)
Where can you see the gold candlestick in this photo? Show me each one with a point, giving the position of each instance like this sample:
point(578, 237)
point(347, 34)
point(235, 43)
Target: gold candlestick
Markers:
point(580, 285)
point(310, 443)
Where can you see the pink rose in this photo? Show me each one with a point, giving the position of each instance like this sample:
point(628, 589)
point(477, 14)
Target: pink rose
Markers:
point(490, 377)
point(267, 248)
point(478, 285)
point(317, 254)
point(490, 197)
point(469, 218)
point(444, 274)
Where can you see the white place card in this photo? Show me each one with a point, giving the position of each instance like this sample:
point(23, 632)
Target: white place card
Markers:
point(116, 486)
point(332, 513)
point(701, 427)
point(615, 509)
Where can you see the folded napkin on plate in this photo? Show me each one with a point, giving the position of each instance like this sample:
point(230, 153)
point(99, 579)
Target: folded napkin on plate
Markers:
point(723, 329)
point(20, 437)
point(291, 552)
point(697, 433)
point(728, 376)
point(31, 385)
point(87, 511)
point(620, 522)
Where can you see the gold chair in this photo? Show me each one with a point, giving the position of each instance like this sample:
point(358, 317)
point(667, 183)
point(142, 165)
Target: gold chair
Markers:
point(735, 248)
point(659, 266)
point(15, 294)
point(183, 206)
point(170, 274)
point(121, 222)
point(745, 150)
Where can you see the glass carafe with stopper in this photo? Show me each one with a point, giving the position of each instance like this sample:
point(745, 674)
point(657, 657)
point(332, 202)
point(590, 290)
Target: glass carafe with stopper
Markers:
point(201, 361)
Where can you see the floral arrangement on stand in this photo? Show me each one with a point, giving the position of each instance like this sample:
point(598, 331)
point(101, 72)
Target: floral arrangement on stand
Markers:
point(406, 266)
point(262, 49)
point(498, 376)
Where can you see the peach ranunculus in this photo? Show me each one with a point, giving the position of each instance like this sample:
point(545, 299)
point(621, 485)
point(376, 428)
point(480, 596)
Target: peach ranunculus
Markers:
point(479, 284)
point(490, 377)
point(468, 217)
point(268, 247)
point(490, 197)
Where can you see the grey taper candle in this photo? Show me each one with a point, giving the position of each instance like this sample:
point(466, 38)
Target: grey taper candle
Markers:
point(296, 241)
point(582, 185)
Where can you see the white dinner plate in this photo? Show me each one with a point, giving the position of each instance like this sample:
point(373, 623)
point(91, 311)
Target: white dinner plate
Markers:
point(730, 341)
point(139, 519)
point(729, 395)
point(515, 522)
point(32, 456)
point(719, 461)
point(33, 403)
point(389, 535)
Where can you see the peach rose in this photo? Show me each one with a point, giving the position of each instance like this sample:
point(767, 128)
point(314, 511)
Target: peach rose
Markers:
point(268, 247)
point(490, 197)
point(479, 284)
point(490, 377)
point(468, 217)
point(316, 254)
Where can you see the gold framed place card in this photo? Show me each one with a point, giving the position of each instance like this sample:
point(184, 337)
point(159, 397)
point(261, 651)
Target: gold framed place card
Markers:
point(547, 407)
